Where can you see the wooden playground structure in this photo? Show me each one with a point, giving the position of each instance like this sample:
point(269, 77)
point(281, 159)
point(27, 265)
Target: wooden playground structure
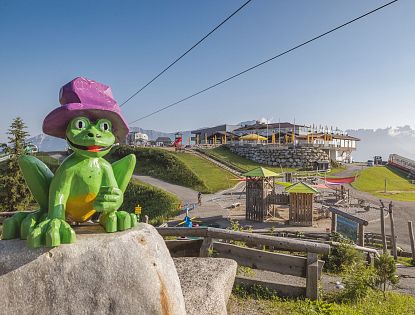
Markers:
point(261, 198)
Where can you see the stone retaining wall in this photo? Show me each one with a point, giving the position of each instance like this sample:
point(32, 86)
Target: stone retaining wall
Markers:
point(299, 157)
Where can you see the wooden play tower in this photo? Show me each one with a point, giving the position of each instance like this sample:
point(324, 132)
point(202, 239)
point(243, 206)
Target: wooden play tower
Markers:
point(260, 183)
point(301, 204)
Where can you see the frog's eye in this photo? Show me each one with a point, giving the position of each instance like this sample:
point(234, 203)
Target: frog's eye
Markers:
point(105, 126)
point(80, 124)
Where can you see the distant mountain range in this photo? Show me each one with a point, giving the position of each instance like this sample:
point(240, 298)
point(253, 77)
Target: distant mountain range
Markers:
point(400, 140)
point(47, 143)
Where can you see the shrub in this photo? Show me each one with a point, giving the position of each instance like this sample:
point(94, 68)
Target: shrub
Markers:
point(342, 257)
point(385, 269)
point(359, 281)
point(158, 204)
point(161, 164)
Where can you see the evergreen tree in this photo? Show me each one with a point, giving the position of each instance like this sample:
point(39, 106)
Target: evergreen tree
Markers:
point(16, 195)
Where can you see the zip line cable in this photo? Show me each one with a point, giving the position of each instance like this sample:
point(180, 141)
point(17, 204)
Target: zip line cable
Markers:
point(263, 62)
point(185, 53)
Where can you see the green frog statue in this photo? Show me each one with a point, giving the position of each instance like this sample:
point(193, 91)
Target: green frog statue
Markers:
point(85, 183)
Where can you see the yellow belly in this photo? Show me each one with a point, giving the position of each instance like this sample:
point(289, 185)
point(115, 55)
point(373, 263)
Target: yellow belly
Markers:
point(80, 208)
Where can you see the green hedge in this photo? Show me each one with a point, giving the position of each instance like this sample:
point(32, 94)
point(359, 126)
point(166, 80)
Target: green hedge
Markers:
point(158, 204)
point(161, 164)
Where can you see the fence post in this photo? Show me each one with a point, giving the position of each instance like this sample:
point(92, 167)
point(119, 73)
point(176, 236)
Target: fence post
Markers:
point(146, 219)
point(206, 245)
point(333, 222)
point(382, 226)
point(411, 238)
point(312, 276)
point(361, 238)
point(394, 237)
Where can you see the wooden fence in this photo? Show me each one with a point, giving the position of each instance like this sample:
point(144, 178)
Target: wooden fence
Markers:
point(307, 267)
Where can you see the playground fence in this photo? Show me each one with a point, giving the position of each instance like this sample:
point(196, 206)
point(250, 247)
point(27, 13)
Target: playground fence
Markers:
point(219, 240)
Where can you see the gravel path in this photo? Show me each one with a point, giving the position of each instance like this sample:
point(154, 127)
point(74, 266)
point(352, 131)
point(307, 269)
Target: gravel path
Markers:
point(403, 211)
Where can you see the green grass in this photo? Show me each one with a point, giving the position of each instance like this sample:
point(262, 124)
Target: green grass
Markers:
point(372, 180)
point(214, 177)
point(395, 304)
point(182, 169)
point(158, 204)
point(241, 163)
point(406, 261)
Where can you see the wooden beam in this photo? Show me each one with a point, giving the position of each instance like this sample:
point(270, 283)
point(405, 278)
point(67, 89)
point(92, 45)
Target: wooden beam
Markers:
point(277, 242)
point(312, 276)
point(206, 246)
point(382, 226)
point(411, 238)
point(361, 236)
point(333, 222)
point(258, 259)
point(283, 289)
point(394, 237)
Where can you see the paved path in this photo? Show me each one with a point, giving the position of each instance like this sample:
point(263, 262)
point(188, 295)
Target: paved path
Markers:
point(214, 208)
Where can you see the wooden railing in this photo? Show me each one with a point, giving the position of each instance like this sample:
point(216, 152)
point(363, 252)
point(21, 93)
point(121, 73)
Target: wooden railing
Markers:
point(309, 267)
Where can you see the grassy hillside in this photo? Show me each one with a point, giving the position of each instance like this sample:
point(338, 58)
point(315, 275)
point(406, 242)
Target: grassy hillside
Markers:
point(372, 180)
point(178, 168)
point(214, 177)
point(244, 165)
point(158, 204)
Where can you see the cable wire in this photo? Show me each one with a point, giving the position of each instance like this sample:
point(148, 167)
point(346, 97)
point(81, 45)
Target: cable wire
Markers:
point(264, 62)
point(185, 53)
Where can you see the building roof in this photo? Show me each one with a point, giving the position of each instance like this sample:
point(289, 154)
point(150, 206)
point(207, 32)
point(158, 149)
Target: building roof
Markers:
point(320, 135)
point(283, 125)
point(301, 188)
point(260, 172)
point(163, 139)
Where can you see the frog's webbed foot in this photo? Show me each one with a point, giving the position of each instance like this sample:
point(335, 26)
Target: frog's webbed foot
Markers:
point(51, 233)
point(21, 224)
point(117, 221)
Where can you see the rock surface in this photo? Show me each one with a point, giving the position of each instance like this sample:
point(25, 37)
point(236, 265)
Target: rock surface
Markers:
point(206, 283)
point(128, 272)
point(303, 156)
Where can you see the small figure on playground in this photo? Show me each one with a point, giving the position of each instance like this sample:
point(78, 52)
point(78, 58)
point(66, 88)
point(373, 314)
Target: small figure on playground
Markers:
point(199, 198)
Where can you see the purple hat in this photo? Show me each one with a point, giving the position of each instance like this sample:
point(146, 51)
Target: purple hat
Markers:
point(83, 97)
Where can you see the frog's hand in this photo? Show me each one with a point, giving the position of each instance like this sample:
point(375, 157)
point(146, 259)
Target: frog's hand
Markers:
point(123, 170)
point(38, 177)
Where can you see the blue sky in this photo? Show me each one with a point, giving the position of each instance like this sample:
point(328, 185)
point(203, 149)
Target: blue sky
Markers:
point(362, 76)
